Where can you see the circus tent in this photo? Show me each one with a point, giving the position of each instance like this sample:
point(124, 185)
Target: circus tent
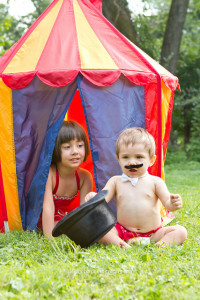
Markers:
point(72, 60)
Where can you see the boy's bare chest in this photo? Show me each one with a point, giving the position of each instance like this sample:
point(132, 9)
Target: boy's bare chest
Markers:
point(140, 194)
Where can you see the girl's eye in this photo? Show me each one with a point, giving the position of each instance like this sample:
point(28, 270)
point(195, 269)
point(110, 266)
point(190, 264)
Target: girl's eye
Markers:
point(139, 156)
point(125, 157)
point(66, 147)
point(80, 145)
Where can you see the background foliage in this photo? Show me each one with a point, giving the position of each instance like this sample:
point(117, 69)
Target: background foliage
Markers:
point(185, 132)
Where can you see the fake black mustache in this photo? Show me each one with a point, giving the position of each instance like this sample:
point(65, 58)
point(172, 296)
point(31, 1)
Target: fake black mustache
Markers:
point(133, 166)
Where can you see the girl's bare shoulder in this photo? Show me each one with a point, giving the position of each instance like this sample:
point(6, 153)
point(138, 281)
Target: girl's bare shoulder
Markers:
point(52, 176)
point(83, 173)
point(52, 170)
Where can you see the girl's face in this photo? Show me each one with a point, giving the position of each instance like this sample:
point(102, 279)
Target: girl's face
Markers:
point(134, 155)
point(72, 153)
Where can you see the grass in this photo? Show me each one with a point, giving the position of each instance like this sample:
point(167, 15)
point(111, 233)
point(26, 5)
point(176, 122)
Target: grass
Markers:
point(31, 267)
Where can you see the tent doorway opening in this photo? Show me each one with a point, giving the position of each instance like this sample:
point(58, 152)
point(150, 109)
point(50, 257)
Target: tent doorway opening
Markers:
point(102, 111)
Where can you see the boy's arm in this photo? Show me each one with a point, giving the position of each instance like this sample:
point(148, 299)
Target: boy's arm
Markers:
point(110, 186)
point(171, 202)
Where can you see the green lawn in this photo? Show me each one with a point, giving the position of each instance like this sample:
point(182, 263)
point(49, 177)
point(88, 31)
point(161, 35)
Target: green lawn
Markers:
point(34, 268)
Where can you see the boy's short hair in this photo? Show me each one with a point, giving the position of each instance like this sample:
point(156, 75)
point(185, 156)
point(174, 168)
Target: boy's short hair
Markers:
point(69, 131)
point(136, 135)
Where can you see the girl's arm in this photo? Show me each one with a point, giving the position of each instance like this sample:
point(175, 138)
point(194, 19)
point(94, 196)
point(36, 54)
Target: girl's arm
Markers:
point(48, 207)
point(170, 201)
point(86, 184)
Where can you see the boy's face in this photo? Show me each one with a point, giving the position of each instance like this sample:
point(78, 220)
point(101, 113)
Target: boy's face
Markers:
point(134, 155)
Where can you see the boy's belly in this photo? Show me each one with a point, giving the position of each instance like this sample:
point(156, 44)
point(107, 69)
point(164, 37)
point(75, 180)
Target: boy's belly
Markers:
point(139, 220)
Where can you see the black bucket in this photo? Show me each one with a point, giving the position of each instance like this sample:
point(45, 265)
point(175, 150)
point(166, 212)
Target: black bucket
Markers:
point(88, 223)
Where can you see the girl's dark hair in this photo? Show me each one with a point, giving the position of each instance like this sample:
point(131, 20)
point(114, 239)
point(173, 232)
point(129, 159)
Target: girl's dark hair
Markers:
point(69, 131)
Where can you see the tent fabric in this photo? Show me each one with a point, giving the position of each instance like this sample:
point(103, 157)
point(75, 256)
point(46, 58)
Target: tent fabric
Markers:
point(3, 210)
point(102, 136)
point(76, 113)
point(73, 60)
point(34, 143)
point(85, 49)
point(9, 189)
point(128, 101)
point(97, 4)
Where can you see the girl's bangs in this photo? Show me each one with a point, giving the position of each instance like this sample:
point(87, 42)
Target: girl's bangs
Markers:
point(71, 134)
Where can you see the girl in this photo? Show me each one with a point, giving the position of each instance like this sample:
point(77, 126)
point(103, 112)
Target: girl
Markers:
point(67, 184)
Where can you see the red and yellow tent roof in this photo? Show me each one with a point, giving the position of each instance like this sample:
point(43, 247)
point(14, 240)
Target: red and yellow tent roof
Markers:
point(69, 38)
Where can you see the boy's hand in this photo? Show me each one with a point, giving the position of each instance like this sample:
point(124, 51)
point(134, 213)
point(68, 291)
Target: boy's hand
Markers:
point(89, 196)
point(176, 201)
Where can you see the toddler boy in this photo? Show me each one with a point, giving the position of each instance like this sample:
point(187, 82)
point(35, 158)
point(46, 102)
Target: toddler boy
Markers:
point(138, 193)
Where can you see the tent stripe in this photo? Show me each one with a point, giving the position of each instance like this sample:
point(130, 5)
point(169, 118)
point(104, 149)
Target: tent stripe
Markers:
point(89, 131)
point(168, 124)
point(159, 99)
point(170, 80)
point(7, 154)
point(61, 53)
point(97, 4)
point(92, 53)
point(121, 51)
point(2, 198)
point(26, 59)
point(166, 97)
point(7, 57)
point(151, 117)
point(166, 103)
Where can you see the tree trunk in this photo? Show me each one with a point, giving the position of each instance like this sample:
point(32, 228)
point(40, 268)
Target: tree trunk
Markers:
point(171, 44)
point(173, 34)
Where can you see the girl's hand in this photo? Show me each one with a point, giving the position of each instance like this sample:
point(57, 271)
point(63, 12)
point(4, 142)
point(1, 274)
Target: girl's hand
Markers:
point(176, 201)
point(89, 196)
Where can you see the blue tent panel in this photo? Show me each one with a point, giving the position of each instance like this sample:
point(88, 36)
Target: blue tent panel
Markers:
point(38, 112)
point(108, 111)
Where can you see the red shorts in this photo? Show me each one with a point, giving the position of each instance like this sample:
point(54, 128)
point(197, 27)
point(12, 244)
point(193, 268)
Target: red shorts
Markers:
point(126, 234)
